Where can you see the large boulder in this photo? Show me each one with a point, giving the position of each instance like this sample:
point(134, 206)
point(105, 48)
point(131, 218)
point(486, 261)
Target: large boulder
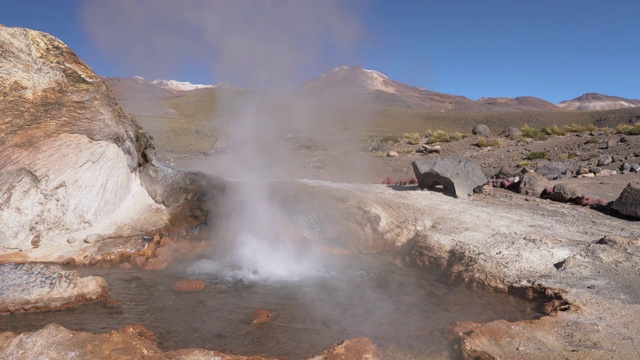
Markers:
point(553, 169)
point(628, 203)
point(511, 132)
point(75, 169)
point(481, 129)
point(564, 193)
point(533, 184)
point(458, 176)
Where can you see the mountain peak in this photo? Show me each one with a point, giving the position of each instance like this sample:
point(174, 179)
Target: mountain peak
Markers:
point(179, 85)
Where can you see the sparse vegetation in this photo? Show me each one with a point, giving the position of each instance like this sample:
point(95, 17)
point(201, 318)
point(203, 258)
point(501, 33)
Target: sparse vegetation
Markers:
point(456, 136)
point(484, 142)
point(523, 163)
point(574, 128)
point(405, 151)
point(442, 136)
point(412, 138)
point(390, 138)
point(533, 133)
point(534, 155)
point(591, 140)
point(628, 129)
point(554, 130)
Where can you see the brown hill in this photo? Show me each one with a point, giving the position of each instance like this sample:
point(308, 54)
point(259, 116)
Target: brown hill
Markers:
point(371, 87)
point(520, 103)
point(594, 101)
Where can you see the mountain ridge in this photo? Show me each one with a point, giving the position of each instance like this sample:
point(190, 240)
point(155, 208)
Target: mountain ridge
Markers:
point(371, 87)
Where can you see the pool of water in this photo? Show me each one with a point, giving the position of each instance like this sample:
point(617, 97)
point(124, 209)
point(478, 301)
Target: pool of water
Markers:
point(404, 311)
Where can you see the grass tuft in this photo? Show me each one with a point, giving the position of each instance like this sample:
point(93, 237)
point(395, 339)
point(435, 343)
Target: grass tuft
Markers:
point(533, 133)
point(534, 155)
point(484, 142)
point(390, 138)
point(554, 130)
point(412, 138)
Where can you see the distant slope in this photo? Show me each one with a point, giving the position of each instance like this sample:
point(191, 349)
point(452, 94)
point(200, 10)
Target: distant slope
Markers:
point(594, 101)
point(136, 88)
point(371, 87)
point(521, 103)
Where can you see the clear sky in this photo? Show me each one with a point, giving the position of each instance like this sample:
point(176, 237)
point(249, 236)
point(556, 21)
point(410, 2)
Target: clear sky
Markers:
point(552, 49)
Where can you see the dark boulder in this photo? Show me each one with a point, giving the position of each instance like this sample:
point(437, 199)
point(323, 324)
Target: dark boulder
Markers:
point(605, 160)
point(628, 203)
point(533, 184)
point(553, 169)
point(481, 129)
point(458, 176)
point(511, 132)
point(506, 172)
point(564, 193)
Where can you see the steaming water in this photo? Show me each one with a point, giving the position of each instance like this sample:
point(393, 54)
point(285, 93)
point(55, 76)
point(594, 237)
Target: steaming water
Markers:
point(404, 311)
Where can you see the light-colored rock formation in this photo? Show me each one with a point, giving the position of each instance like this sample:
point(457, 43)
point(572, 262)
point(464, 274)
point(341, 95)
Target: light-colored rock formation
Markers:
point(74, 167)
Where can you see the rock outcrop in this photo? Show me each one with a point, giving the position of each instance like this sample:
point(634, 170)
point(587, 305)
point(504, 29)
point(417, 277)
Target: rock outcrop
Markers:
point(628, 203)
point(458, 176)
point(75, 169)
point(49, 288)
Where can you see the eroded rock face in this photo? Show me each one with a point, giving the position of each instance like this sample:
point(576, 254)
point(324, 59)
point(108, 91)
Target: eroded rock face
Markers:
point(458, 176)
point(75, 169)
point(49, 288)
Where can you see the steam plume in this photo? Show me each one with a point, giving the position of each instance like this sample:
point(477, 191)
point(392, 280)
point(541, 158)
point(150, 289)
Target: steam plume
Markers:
point(260, 44)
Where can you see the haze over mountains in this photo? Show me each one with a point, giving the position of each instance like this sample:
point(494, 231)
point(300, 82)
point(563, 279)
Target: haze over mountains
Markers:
point(374, 88)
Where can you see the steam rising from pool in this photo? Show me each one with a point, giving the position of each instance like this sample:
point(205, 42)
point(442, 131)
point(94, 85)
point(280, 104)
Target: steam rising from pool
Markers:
point(258, 260)
point(268, 46)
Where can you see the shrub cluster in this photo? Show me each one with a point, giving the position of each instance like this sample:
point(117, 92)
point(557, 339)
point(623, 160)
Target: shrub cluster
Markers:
point(533, 133)
point(442, 136)
point(628, 129)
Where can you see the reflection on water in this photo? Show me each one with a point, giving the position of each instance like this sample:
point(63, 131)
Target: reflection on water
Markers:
point(404, 311)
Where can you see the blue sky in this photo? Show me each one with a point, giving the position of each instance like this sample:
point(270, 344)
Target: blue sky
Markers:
point(555, 50)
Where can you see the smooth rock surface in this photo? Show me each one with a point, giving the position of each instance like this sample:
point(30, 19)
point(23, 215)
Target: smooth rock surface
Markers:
point(458, 176)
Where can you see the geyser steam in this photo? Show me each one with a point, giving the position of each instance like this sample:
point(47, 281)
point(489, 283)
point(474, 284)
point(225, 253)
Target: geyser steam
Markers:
point(261, 44)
